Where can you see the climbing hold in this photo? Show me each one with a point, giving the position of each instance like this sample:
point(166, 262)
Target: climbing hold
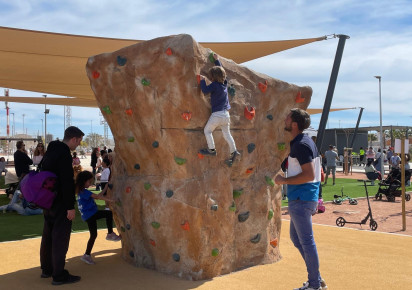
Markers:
point(229, 162)
point(118, 203)
point(106, 109)
point(152, 242)
point(249, 170)
point(155, 144)
point(169, 193)
point(232, 207)
point(110, 185)
point(214, 207)
point(155, 225)
point(299, 98)
point(270, 214)
point(122, 229)
point(198, 79)
point(249, 114)
point(269, 181)
point(231, 90)
point(187, 116)
point(96, 74)
point(147, 186)
point(128, 227)
point(263, 87)
point(281, 146)
point(211, 57)
point(251, 147)
point(137, 166)
point(130, 139)
point(274, 242)
point(129, 112)
point(200, 155)
point(242, 217)
point(255, 239)
point(169, 51)
point(176, 257)
point(145, 82)
point(180, 161)
point(128, 189)
point(270, 117)
point(121, 60)
point(215, 252)
point(237, 192)
point(131, 254)
point(185, 226)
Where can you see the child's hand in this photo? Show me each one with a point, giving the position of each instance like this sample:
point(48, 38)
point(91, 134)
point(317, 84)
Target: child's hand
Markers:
point(202, 77)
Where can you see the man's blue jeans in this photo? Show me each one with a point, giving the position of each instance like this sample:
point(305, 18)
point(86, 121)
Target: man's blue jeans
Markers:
point(301, 234)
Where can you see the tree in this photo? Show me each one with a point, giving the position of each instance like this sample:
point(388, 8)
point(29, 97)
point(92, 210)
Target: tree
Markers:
point(372, 137)
point(397, 133)
point(94, 139)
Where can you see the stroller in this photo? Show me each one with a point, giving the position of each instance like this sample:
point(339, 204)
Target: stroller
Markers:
point(12, 181)
point(391, 186)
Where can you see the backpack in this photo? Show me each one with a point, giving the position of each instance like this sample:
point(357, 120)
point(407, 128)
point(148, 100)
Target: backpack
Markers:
point(38, 188)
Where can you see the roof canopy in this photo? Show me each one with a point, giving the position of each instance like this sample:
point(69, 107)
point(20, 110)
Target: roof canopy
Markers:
point(54, 63)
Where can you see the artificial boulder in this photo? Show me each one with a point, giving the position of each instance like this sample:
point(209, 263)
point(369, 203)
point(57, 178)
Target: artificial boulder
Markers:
point(180, 212)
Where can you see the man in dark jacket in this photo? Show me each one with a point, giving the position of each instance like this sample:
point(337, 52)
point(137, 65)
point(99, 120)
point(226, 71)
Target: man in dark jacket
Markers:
point(22, 161)
point(58, 219)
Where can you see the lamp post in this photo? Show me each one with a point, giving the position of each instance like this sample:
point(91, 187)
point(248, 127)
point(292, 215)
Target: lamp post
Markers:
point(12, 129)
point(23, 122)
point(381, 132)
point(46, 111)
point(42, 131)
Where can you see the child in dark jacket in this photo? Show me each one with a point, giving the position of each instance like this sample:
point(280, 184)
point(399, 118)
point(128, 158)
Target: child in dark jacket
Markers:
point(220, 110)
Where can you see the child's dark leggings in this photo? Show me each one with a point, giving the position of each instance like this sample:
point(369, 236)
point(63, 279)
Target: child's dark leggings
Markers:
point(92, 223)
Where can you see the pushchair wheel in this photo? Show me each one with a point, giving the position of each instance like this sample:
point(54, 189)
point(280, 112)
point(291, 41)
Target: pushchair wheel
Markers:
point(373, 225)
point(337, 201)
point(378, 196)
point(408, 197)
point(340, 221)
point(391, 198)
point(353, 201)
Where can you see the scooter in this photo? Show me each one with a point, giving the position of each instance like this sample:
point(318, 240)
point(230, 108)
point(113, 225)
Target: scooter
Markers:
point(340, 221)
point(339, 199)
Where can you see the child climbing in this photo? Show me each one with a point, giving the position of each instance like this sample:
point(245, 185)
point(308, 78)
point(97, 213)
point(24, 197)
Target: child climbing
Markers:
point(90, 213)
point(220, 110)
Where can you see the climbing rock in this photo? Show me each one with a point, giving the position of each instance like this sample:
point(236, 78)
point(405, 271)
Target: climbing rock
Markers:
point(167, 106)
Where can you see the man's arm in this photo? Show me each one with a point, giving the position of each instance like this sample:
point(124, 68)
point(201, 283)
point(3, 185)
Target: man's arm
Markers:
point(307, 174)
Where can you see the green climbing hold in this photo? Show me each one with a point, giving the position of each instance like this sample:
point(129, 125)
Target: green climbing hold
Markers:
point(180, 161)
point(147, 186)
point(281, 146)
point(242, 217)
point(137, 166)
point(145, 82)
point(215, 252)
point(269, 181)
point(270, 214)
point(155, 144)
point(211, 57)
point(118, 203)
point(106, 109)
point(122, 229)
point(237, 192)
point(233, 207)
point(155, 225)
point(130, 139)
point(255, 239)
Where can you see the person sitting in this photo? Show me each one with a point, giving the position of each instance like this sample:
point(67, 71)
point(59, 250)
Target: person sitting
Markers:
point(371, 173)
point(3, 166)
point(20, 205)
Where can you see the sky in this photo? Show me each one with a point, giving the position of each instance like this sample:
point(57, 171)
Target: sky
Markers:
point(380, 44)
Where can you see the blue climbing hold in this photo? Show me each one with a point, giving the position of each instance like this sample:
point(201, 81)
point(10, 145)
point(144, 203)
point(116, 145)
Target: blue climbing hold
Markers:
point(242, 217)
point(155, 144)
point(169, 193)
point(128, 226)
point(231, 90)
point(121, 60)
point(270, 117)
point(255, 239)
point(214, 207)
point(110, 185)
point(131, 254)
point(137, 166)
point(251, 147)
point(176, 257)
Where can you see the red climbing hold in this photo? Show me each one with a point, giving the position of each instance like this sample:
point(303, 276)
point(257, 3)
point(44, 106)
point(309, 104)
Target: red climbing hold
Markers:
point(249, 170)
point(129, 112)
point(299, 98)
point(198, 79)
point(201, 156)
point(185, 226)
point(263, 87)
point(249, 114)
point(187, 116)
point(274, 242)
point(128, 189)
point(96, 74)
point(169, 51)
point(152, 242)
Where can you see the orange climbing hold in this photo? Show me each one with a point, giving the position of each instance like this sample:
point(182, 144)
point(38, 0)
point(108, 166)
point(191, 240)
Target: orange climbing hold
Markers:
point(96, 74)
point(129, 112)
point(169, 51)
point(152, 242)
point(274, 242)
point(263, 87)
point(249, 114)
point(249, 170)
point(187, 116)
point(299, 98)
point(201, 156)
point(198, 79)
point(185, 226)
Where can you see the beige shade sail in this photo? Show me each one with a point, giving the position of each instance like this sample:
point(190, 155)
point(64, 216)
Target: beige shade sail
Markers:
point(54, 63)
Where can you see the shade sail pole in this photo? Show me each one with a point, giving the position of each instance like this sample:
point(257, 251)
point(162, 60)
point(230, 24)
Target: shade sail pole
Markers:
point(356, 128)
point(331, 89)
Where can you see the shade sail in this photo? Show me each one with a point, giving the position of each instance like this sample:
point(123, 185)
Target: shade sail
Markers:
point(54, 63)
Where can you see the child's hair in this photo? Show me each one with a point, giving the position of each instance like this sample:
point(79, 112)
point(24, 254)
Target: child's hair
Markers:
point(81, 180)
point(218, 74)
point(106, 161)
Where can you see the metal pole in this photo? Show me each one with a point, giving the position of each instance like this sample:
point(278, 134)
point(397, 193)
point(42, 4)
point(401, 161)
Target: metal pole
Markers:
point(381, 132)
point(331, 89)
point(45, 122)
point(356, 128)
point(42, 130)
point(23, 122)
point(403, 184)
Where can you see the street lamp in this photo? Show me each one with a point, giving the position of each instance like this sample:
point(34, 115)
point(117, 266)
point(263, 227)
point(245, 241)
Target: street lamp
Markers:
point(12, 129)
point(23, 122)
point(381, 133)
point(42, 131)
point(46, 111)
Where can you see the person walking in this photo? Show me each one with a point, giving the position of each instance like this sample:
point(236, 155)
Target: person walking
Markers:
point(58, 219)
point(303, 184)
point(331, 157)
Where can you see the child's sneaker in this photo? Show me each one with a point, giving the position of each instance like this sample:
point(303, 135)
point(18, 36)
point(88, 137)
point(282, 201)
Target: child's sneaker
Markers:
point(233, 155)
point(87, 259)
point(323, 285)
point(207, 151)
point(113, 237)
point(307, 288)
